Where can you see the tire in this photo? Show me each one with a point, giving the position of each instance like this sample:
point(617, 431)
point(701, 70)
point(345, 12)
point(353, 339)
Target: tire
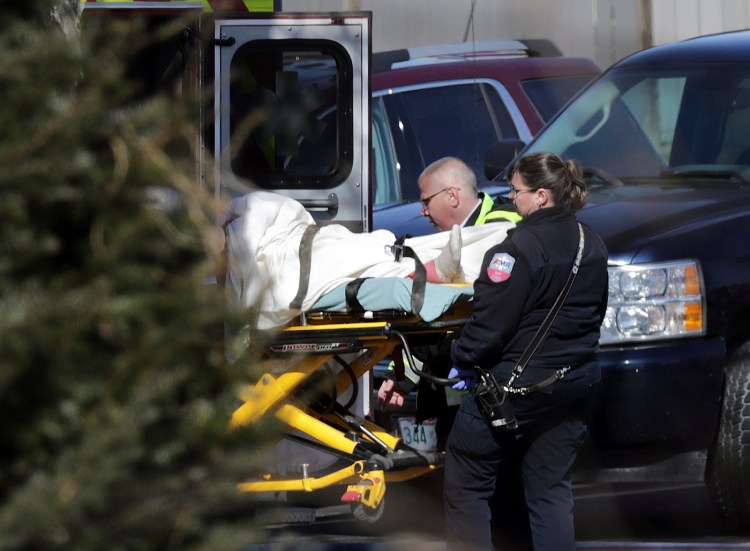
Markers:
point(729, 462)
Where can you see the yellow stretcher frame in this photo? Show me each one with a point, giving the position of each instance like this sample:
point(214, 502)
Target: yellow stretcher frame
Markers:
point(372, 455)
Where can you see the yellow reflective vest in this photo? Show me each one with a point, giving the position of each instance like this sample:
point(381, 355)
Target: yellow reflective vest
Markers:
point(487, 214)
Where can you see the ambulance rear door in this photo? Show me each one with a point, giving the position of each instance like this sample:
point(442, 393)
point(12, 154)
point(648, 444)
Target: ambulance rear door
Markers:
point(292, 110)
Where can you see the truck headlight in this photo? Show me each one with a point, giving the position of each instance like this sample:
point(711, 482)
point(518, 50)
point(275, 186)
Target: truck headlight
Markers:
point(654, 301)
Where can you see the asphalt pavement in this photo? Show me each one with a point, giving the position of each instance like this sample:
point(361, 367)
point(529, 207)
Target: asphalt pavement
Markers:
point(608, 518)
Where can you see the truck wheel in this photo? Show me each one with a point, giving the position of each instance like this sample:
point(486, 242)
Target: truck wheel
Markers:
point(729, 462)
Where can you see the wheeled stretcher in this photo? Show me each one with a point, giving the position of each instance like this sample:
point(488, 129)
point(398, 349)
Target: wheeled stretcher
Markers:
point(334, 304)
point(300, 389)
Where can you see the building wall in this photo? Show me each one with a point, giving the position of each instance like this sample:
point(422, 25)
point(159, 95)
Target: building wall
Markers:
point(605, 30)
point(679, 19)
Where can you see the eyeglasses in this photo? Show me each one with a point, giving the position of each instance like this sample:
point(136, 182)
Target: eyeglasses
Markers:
point(518, 191)
point(426, 201)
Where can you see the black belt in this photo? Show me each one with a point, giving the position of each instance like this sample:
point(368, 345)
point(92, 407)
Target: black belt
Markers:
point(524, 390)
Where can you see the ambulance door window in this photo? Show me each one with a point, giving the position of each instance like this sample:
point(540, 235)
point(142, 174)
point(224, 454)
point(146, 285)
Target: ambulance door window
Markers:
point(290, 121)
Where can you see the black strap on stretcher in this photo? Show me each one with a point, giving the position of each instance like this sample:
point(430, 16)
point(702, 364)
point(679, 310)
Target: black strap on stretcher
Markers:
point(420, 273)
point(350, 294)
point(305, 261)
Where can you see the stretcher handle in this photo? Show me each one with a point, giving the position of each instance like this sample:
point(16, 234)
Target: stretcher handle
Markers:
point(440, 381)
point(403, 460)
point(439, 324)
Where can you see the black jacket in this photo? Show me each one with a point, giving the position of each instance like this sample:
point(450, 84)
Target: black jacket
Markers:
point(518, 283)
point(431, 400)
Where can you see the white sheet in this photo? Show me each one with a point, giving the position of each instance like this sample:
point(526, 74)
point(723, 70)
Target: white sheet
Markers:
point(263, 247)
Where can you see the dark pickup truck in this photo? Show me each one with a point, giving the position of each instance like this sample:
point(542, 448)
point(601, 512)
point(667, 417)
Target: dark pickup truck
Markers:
point(664, 140)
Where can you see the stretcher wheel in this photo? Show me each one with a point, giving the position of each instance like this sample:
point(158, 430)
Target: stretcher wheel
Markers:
point(367, 514)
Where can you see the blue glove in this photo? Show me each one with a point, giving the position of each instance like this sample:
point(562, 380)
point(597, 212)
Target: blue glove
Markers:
point(468, 378)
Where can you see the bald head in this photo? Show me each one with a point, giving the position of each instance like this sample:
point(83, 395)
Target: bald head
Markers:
point(449, 187)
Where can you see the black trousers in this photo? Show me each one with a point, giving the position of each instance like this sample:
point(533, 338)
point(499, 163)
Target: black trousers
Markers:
point(540, 453)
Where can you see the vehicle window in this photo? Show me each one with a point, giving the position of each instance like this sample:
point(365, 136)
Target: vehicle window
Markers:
point(385, 169)
point(501, 119)
point(736, 145)
point(655, 102)
point(462, 120)
point(288, 114)
point(711, 126)
point(600, 130)
point(639, 123)
point(550, 94)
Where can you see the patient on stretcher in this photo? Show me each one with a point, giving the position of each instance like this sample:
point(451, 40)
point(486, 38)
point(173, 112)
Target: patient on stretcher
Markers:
point(269, 274)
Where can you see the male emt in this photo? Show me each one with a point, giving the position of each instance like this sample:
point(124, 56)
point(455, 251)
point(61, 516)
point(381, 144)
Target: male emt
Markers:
point(449, 196)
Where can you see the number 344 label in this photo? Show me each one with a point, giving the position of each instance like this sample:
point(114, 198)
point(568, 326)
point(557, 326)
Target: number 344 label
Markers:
point(420, 436)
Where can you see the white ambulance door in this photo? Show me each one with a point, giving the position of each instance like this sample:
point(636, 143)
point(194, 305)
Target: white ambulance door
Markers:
point(292, 110)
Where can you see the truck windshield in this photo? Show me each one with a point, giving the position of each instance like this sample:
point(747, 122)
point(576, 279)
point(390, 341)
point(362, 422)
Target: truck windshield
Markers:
point(638, 122)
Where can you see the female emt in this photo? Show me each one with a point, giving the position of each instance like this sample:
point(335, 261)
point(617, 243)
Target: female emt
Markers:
point(519, 282)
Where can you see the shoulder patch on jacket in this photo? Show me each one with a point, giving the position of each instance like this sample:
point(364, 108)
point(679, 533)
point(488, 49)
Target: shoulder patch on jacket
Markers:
point(500, 267)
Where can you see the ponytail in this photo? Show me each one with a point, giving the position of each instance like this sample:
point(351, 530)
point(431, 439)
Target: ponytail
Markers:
point(575, 189)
